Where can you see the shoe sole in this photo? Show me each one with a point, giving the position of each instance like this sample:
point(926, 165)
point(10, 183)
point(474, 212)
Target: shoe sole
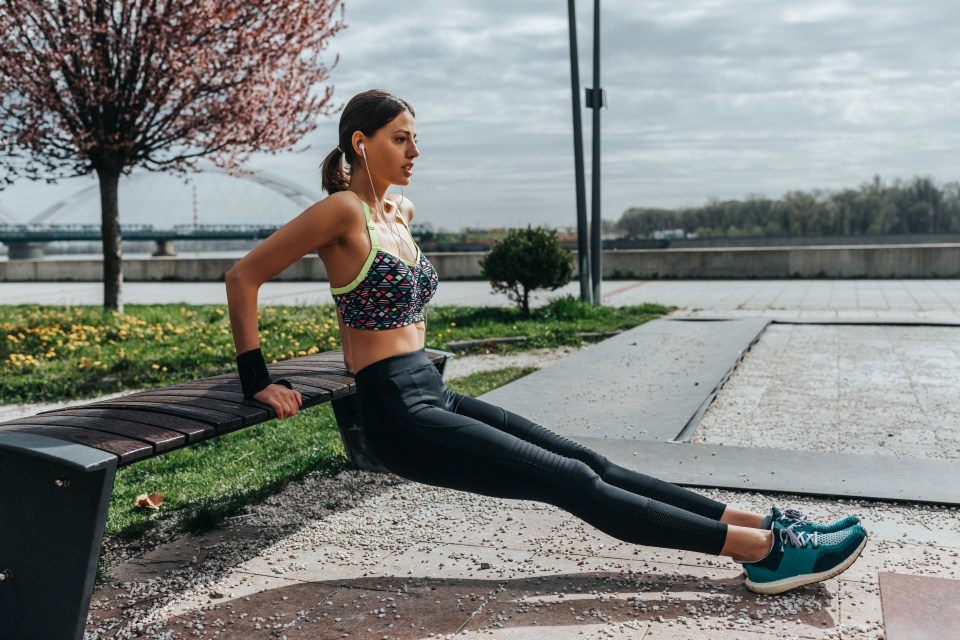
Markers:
point(779, 586)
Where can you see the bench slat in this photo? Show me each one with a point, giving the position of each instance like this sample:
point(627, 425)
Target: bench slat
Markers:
point(221, 421)
point(192, 429)
point(331, 389)
point(319, 366)
point(160, 439)
point(128, 450)
point(311, 391)
point(316, 371)
point(322, 356)
point(245, 410)
point(231, 386)
point(327, 373)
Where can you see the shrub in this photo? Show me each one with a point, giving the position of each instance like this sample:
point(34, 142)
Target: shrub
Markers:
point(526, 260)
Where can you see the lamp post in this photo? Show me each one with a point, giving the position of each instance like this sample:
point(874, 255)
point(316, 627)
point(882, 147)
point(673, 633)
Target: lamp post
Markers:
point(582, 244)
point(596, 99)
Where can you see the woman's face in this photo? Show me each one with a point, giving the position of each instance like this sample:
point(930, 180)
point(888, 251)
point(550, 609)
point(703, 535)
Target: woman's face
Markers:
point(392, 149)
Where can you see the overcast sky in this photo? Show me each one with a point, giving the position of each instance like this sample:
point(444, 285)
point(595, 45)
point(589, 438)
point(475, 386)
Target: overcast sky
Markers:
point(707, 98)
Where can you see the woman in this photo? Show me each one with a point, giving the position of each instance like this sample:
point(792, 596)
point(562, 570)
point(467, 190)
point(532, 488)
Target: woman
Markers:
point(422, 430)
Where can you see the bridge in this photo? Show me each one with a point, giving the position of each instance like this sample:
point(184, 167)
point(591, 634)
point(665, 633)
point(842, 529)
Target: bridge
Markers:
point(26, 240)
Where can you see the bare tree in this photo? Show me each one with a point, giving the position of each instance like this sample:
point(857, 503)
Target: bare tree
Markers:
point(108, 85)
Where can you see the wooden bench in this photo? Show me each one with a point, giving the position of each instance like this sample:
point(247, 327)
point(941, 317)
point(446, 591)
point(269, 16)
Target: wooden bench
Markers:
point(57, 471)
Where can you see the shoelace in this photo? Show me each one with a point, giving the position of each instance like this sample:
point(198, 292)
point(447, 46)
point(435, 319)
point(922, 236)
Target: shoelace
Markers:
point(798, 539)
point(794, 514)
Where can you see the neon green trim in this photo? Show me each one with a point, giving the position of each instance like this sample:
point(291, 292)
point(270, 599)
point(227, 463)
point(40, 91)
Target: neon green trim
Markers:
point(374, 247)
point(356, 281)
point(371, 228)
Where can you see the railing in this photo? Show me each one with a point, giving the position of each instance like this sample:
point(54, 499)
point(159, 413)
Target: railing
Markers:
point(62, 232)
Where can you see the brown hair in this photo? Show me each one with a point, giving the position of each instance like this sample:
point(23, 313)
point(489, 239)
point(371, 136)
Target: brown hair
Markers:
point(366, 112)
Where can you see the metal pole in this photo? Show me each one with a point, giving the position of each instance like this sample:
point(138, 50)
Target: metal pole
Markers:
point(599, 99)
point(582, 243)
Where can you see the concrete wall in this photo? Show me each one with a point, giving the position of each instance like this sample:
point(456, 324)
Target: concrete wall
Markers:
point(880, 261)
point(787, 241)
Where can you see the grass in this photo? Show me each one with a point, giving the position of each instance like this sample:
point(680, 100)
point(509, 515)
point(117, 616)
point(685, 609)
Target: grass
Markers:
point(50, 353)
point(555, 324)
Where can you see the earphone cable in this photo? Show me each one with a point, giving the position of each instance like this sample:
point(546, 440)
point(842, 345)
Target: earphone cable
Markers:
point(401, 242)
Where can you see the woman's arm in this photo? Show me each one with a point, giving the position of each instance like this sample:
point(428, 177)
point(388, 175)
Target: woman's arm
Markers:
point(320, 224)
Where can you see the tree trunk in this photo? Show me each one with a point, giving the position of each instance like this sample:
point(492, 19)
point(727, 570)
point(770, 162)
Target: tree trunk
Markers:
point(110, 230)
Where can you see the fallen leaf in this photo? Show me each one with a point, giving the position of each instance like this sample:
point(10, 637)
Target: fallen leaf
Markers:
point(150, 501)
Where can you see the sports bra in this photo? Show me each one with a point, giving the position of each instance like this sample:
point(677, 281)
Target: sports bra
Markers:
point(389, 292)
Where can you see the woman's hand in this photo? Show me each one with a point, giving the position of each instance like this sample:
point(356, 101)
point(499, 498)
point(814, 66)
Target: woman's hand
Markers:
point(285, 402)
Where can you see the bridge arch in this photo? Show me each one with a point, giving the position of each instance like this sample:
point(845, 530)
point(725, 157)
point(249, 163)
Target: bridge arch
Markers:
point(288, 189)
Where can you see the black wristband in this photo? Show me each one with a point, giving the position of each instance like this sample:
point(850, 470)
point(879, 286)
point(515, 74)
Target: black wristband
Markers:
point(254, 376)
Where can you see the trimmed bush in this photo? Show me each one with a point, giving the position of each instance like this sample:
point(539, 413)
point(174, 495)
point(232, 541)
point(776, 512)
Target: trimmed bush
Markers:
point(526, 260)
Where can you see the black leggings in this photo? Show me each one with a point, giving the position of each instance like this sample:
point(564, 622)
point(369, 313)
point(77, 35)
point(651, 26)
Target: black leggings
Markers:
point(422, 430)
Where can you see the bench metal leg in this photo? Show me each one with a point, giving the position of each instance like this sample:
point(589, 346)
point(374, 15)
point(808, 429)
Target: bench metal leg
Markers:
point(53, 507)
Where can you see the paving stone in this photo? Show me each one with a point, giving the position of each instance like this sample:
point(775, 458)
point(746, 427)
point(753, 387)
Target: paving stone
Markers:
point(182, 553)
point(860, 610)
point(627, 631)
point(920, 608)
point(903, 557)
point(553, 565)
point(323, 562)
point(579, 539)
point(446, 560)
point(536, 522)
point(235, 586)
point(654, 377)
point(414, 612)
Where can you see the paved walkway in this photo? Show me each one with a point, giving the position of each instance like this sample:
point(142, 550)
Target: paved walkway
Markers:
point(370, 556)
point(924, 299)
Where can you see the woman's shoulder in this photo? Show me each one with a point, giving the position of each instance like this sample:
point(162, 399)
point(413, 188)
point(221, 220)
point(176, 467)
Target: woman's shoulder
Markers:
point(404, 205)
point(342, 199)
point(342, 204)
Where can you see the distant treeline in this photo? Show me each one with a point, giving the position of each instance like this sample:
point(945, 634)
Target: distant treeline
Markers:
point(918, 206)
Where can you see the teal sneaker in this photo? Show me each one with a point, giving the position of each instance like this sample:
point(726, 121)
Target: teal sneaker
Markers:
point(798, 558)
point(802, 523)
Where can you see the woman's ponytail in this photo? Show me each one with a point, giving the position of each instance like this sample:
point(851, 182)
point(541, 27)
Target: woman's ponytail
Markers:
point(332, 176)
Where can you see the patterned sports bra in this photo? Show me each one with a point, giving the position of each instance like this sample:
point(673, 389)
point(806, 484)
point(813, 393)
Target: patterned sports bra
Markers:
point(389, 292)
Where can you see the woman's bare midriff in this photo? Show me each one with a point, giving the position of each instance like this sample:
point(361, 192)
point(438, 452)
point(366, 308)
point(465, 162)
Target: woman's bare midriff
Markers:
point(362, 347)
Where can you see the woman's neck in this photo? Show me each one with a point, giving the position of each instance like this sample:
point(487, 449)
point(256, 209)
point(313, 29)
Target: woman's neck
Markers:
point(369, 196)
